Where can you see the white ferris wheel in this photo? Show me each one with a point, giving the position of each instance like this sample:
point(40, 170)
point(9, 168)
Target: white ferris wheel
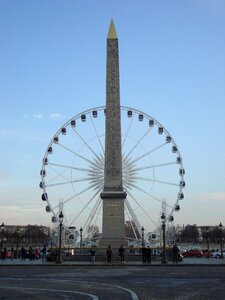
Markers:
point(72, 173)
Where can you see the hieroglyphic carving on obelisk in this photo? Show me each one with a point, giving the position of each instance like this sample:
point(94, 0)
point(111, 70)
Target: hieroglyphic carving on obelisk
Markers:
point(113, 228)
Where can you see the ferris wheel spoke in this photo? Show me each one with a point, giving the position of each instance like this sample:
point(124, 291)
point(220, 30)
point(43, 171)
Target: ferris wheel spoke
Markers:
point(95, 220)
point(76, 195)
point(68, 182)
point(59, 175)
point(148, 194)
point(91, 215)
point(133, 215)
point(128, 130)
point(97, 169)
point(154, 166)
point(97, 215)
point(92, 151)
point(155, 180)
point(92, 174)
point(97, 183)
point(76, 154)
point(143, 210)
point(98, 136)
point(138, 142)
point(127, 185)
point(85, 207)
point(148, 152)
point(131, 223)
point(68, 167)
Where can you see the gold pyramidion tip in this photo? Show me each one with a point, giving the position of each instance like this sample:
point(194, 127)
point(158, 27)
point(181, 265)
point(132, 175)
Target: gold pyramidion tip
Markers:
point(112, 31)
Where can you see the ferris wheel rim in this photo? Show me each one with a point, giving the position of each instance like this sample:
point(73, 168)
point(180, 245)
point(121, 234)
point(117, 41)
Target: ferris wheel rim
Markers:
point(100, 108)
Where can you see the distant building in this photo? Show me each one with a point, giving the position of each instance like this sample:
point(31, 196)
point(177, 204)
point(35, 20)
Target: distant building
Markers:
point(27, 235)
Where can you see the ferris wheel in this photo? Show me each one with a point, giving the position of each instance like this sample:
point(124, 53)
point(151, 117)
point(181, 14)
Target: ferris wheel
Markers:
point(72, 172)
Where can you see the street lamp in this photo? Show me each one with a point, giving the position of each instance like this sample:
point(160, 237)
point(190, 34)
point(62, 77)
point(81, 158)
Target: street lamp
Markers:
point(142, 236)
point(81, 237)
point(207, 237)
point(164, 260)
point(2, 237)
point(60, 260)
point(17, 242)
point(221, 239)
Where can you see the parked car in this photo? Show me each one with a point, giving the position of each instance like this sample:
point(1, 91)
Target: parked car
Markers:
point(206, 253)
point(217, 254)
point(193, 253)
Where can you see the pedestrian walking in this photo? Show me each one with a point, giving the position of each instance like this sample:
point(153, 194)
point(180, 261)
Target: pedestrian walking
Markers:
point(12, 253)
point(109, 254)
point(36, 253)
point(31, 253)
point(143, 251)
point(176, 253)
point(121, 254)
point(149, 255)
point(4, 253)
point(92, 255)
point(23, 253)
point(44, 254)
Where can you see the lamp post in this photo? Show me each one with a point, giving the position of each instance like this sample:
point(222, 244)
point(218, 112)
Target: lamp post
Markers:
point(2, 237)
point(207, 238)
point(17, 242)
point(142, 236)
point(221, 239)
point(164, 260)
point(81, 237)
point(60, 260)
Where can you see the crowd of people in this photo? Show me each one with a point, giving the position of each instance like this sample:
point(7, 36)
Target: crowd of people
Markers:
point(145, 251)
point(33, 253)
point(23, 253)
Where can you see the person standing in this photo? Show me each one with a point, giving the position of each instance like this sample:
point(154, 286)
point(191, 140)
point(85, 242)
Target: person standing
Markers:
point(44, 254)
point(149, 254)
point(36, 253)
point(121, 254)
point(143, 251)
point(31, 253)
point(23, 253)
point(12, 253)
point(92, 255)
point(176, 253)
point(4, 253)
point(109, 254)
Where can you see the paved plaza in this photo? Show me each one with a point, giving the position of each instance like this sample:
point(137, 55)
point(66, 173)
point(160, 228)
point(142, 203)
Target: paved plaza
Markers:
point(194, 279)
point(186, 261)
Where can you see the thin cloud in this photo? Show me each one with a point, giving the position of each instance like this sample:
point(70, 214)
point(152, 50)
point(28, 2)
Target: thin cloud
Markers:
point(209, 197)
point(7, 133)
point(38, 116)
point(16, 134)
point(26, 116)
point(54, 116)
point(5, 175)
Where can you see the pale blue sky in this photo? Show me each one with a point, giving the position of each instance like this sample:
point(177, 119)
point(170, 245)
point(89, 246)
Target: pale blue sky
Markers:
point(53, 66)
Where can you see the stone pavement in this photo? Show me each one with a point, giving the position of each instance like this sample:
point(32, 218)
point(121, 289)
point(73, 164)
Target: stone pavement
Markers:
point(186, 261)
point(121, 282)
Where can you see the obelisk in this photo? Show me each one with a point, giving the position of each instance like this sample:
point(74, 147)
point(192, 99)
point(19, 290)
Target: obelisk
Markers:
point(113, 195)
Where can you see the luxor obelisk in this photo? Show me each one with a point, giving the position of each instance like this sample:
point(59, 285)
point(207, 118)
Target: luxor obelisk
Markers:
point(113, 195)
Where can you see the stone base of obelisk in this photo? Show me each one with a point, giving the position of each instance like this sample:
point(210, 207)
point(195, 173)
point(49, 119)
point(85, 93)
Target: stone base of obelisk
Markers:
point(113, 222)
point(115, 245)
